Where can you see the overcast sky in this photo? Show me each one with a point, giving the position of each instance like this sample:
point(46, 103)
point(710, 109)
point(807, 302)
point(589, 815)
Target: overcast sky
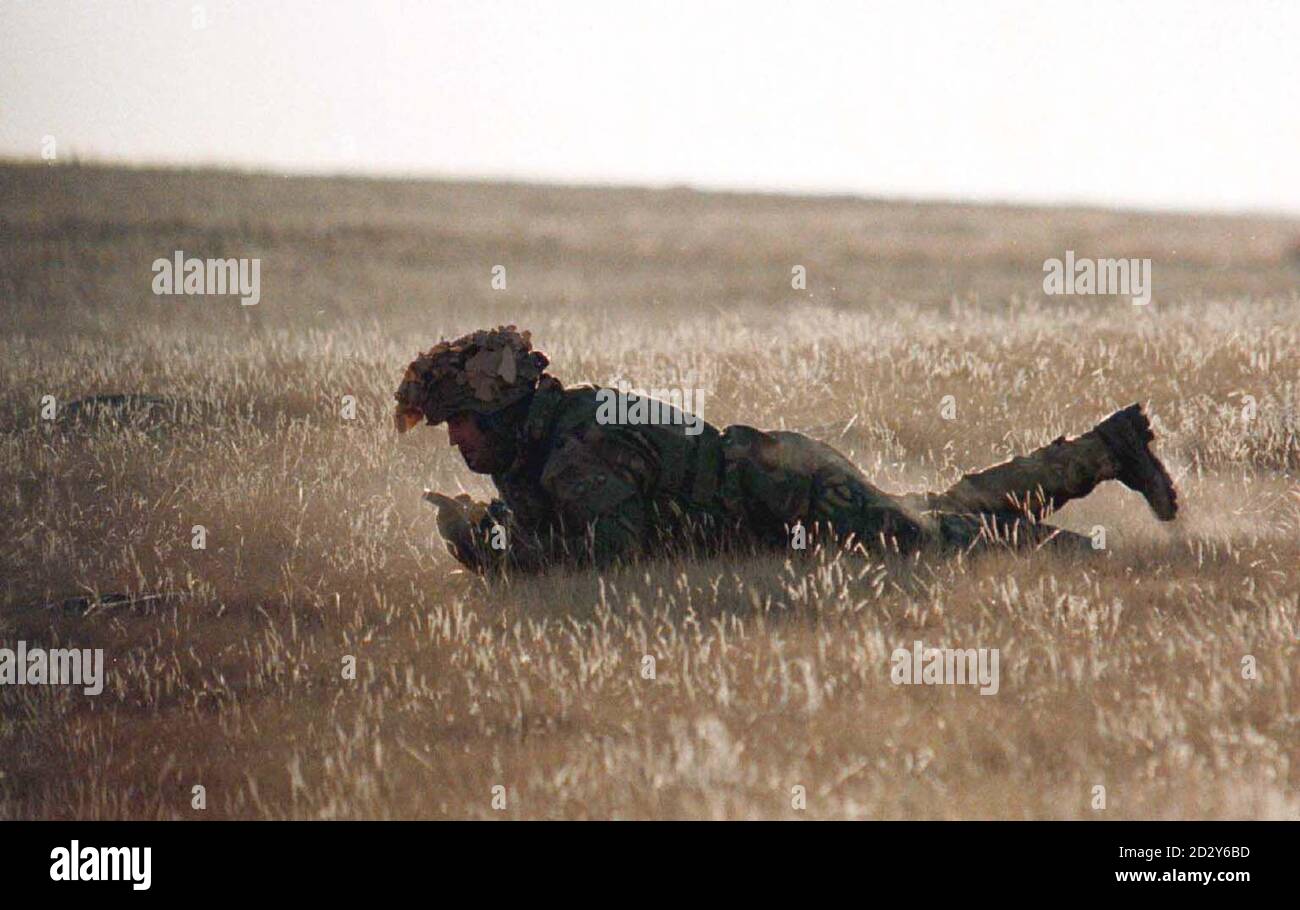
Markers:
point(1179, 104)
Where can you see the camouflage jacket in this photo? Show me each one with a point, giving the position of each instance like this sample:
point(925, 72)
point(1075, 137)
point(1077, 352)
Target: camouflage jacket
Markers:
point(587, 491)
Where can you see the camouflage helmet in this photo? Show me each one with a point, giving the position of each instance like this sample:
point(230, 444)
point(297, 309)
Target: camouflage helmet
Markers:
point(482, 372)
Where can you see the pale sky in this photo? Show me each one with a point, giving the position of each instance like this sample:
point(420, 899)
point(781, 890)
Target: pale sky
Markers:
point(1156, 104)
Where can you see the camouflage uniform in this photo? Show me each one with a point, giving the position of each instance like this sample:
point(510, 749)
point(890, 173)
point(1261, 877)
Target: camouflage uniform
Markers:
point(585, 492)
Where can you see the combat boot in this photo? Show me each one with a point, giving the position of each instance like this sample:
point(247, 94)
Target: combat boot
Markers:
point(1128, 437)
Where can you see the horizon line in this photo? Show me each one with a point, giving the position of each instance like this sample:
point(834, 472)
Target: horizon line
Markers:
point(361, 173)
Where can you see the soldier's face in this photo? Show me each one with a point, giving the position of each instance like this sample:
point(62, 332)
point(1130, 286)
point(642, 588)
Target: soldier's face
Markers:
point(483, 453)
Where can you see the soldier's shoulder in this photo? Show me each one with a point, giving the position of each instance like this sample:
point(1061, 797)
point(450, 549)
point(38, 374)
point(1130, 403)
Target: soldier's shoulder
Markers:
point(577, 406)
point(558, 410)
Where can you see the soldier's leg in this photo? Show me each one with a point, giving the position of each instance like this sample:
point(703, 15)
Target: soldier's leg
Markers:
point(1034, 485)
point(966, 531)
point(778, 479)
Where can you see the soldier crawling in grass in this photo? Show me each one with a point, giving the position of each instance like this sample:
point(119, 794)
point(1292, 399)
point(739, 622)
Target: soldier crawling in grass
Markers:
point(575, 490)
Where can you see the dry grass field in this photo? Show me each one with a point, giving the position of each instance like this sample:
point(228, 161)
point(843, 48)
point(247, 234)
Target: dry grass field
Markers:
point(1123, 669)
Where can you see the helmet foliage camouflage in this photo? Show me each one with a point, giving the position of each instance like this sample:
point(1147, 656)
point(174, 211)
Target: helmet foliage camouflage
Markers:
point(481, 372)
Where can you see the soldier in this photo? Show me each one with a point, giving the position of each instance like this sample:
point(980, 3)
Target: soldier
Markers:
point(578, 489)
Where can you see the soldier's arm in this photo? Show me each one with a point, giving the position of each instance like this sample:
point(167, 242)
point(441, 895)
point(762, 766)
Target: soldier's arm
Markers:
point(599, 512)
point(596, 510)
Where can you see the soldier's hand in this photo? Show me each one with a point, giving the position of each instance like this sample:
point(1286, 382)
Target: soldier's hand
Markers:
point(458, 521)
